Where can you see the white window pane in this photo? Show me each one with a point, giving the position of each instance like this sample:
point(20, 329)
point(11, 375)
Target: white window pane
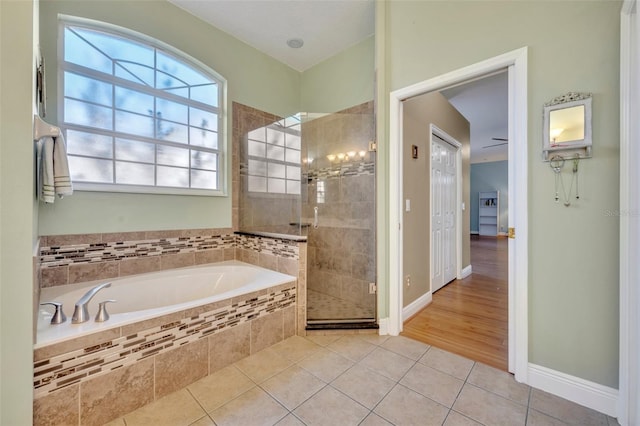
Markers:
point(76, 112)
point(275, 152)
point(257, 184)
point(173, 111)
point(173, 132)
point(293, 141)
point(179, 70)
point(203, 179)
point(118, 47)
point(292, 121)
point(257, 149)
point(293, 156)
point(172, 156)
point(293, 187)
point(134, 72)
point(135, 151)
point(204, 160)
point(173, 176)
point(88, 89)
point(277, 186)
point(275, 137)
point(89, 144)
point(78, 51)
point(90, 169)
point(293, 173)
point(134, 173)
point(258, 134)
point(201, 137)
point(206, 94)
point(277, 171)
point(130, 100)
point(257, 168)
point(205, 119)
point(134, 124)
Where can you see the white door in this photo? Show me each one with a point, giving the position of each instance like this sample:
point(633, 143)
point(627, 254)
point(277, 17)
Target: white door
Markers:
point(443, 212)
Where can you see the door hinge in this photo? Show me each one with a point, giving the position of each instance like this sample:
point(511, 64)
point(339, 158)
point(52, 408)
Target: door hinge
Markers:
point(512, 233)
point(373, 288)
point(373, 146)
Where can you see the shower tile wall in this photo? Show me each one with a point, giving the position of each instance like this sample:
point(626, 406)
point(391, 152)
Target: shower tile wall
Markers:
point(341, 251)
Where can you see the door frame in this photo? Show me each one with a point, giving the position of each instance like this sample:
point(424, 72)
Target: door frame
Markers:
point(516, 63)
point(435, 130)
point(629, 373)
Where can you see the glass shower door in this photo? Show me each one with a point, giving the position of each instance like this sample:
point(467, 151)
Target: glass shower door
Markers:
point(339, 207)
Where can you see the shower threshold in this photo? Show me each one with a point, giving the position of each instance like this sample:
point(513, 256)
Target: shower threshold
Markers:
point(359, 324)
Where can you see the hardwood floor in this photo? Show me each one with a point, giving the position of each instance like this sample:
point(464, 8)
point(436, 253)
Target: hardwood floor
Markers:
point(470, 316)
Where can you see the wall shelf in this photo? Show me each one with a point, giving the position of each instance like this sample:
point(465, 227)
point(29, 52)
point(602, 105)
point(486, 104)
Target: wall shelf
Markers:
point(488, 203)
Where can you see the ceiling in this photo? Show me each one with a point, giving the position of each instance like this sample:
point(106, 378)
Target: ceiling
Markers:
point(484, 103)
point(327, 27)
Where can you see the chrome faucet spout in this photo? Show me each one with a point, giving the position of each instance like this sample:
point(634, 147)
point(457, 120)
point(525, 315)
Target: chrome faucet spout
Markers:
point(81, 312)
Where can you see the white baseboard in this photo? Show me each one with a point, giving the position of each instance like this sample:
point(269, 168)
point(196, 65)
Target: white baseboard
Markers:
point(466, 271)
point(415, 306)
point(503, 234)
point(584, 392)
point(383, 326)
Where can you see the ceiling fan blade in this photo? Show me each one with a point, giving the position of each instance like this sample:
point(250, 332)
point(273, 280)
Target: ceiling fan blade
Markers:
point(495, 144)
point(500, 139)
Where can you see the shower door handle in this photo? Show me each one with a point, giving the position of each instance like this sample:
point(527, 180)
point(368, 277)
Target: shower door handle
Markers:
point(315, 217)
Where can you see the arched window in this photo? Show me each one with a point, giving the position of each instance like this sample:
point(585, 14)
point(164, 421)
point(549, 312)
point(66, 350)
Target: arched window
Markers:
point(138, 115)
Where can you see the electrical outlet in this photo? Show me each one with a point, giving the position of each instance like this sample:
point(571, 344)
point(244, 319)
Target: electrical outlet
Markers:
point(407, 280)
point(372, 288)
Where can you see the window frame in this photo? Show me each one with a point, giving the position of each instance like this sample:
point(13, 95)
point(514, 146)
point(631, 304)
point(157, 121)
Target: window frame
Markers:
point(184, 58)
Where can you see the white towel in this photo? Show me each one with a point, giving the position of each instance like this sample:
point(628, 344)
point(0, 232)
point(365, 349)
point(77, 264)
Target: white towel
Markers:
point(54, 169)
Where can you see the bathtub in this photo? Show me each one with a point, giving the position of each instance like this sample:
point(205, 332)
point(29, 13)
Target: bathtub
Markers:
point(145, 296)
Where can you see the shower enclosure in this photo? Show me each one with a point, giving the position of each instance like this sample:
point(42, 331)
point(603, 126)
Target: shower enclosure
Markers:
point(313, 175)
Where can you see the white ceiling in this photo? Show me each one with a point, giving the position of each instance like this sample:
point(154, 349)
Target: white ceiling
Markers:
point(327, 27)
point(330, 26)
point(484, 103)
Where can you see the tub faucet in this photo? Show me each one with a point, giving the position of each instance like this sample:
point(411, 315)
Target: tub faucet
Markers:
point(81, 312)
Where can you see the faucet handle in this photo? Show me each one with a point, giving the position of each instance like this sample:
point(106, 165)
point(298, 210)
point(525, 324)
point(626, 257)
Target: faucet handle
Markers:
point(102, 314)
point(58, 317)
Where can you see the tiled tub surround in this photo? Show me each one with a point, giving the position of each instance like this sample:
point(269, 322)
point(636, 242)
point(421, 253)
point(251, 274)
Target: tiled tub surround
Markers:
point(159, 355)
point(119, 370)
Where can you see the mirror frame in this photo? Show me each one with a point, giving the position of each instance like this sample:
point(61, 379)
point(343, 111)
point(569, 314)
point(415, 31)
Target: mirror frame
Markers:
point(581, 147)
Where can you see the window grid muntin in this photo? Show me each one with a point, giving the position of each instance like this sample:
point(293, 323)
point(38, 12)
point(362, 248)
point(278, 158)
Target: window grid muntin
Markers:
point(278, 127)
point(141, 87)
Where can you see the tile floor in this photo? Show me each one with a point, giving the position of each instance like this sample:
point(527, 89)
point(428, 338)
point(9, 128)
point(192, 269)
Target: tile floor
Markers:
point(359, 380)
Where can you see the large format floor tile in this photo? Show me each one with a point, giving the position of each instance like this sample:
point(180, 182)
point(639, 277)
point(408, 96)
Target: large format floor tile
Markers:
point(360, 380)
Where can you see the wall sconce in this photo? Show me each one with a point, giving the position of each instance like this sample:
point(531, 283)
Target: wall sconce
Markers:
point(331, 157)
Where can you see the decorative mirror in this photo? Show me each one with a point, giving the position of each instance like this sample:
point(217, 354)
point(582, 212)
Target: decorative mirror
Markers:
point(567, 126)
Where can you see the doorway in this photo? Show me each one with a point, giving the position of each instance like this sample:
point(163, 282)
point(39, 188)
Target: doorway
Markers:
point(516, 63)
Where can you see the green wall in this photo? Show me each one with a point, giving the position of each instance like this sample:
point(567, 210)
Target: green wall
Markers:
point(253, 79)
point(18, 36)
point(573, 252)
point(341, 81)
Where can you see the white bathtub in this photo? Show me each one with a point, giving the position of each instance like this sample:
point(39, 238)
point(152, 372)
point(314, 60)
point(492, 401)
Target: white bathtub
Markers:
point(145, 296)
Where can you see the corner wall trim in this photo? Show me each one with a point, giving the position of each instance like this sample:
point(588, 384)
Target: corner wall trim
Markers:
point(383, 326)
point(584, 392)
point(466, 271)
point(414, 307)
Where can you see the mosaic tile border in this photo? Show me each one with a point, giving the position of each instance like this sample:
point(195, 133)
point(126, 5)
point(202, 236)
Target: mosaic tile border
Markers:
point(268, 245)
point(64, 255)
point(84, 364)
point(362, 168)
